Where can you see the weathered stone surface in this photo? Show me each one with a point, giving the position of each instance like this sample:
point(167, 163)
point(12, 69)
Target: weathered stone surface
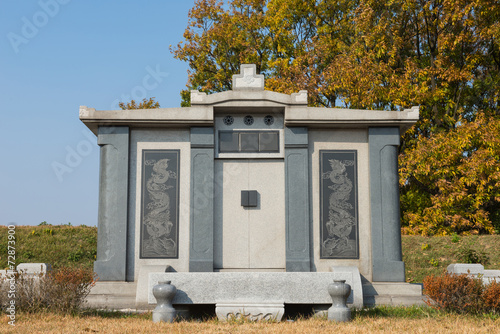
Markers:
point(386, 293)
point(34, 268)
point(466, 268)
point(164, 292)
point(201, 248)
point(248, 78)
point(387, 262)
point(475, 270)
point(251, 311)
point(350, 118)
point(111, 262)
point(339, 291)
point(297, 211)
point(353, 278)
point(254, 287)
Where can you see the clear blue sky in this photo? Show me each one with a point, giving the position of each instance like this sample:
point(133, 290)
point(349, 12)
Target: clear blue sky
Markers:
point(56, 55)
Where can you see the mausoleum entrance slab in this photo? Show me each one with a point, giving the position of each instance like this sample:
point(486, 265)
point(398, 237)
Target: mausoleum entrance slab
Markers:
point(249, 233)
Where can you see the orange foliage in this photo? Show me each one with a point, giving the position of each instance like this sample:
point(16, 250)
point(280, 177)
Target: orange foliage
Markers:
point(461, 293)
point(450, 292)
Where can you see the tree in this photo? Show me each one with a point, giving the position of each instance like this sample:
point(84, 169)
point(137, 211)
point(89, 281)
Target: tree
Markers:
point(145, 104)
point(442, 55)
point(451, 180)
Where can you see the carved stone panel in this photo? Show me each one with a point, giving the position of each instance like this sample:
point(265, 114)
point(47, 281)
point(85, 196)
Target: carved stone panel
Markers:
point(160, 204)
point(339, 204)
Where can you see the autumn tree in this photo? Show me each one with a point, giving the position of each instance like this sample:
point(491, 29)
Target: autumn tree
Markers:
point(442, 55)
point(452, 180)
point(145, 104)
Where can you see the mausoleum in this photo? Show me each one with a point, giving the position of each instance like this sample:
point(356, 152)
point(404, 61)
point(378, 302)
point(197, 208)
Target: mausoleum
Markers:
point(249, 199)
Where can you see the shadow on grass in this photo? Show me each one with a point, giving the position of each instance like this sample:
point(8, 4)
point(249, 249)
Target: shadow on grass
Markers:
point(408, 312)
point(110, 314)
point(412, 312)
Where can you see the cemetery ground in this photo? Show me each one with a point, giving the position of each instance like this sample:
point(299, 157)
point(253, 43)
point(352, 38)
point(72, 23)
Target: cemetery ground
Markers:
point(75, 247)
point(378, 320)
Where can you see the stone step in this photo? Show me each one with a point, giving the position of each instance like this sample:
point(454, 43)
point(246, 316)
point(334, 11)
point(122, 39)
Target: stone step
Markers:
point(392, 289)
point(114, 288)
point(394, 300)
point(112, 295)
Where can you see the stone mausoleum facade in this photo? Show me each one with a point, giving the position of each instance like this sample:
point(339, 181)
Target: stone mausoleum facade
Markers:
point(249, 197)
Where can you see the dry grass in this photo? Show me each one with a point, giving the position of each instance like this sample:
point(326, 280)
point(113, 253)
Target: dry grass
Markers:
point(51, 323)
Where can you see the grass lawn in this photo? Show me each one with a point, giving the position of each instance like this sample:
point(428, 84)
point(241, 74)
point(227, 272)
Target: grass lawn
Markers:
point(378, 320)
point(431, 255)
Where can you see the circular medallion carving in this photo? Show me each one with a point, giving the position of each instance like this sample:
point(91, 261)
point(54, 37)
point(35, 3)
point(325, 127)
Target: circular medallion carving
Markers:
point(228, 120)
point(248, 120)
point(268, 120)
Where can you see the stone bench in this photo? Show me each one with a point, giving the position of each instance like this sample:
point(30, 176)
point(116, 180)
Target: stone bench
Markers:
point(257, 295)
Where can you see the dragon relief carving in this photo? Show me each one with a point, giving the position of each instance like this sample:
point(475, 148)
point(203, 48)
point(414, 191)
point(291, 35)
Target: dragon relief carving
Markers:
point(157, 220)
point(340, 221)
point(250, 316)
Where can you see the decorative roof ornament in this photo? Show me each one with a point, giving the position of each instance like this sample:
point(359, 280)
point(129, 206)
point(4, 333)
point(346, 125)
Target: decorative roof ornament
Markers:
point(248, 79)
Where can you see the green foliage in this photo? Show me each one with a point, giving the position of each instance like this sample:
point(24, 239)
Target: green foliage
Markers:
point(145, 104)
point(28, 255)
point(434, 262)
point(385, 311)
point(455, 238)
point(461, 294)
point(466, 254)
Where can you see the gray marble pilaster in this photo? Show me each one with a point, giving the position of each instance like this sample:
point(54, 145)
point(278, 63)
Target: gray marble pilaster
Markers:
point(201, 252)
point(384, 197)
point(297, 199)
point(111, 261)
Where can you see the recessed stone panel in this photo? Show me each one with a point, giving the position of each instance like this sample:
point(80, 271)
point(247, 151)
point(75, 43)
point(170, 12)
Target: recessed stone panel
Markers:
point(160, 204)
point(339, 204)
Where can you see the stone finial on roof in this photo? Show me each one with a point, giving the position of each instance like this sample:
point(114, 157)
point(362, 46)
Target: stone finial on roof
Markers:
point(248, 79)
point(300, 97)
point(197, 97)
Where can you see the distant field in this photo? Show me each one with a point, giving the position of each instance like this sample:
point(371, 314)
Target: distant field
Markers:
point(59, 245)
point(75, 246)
